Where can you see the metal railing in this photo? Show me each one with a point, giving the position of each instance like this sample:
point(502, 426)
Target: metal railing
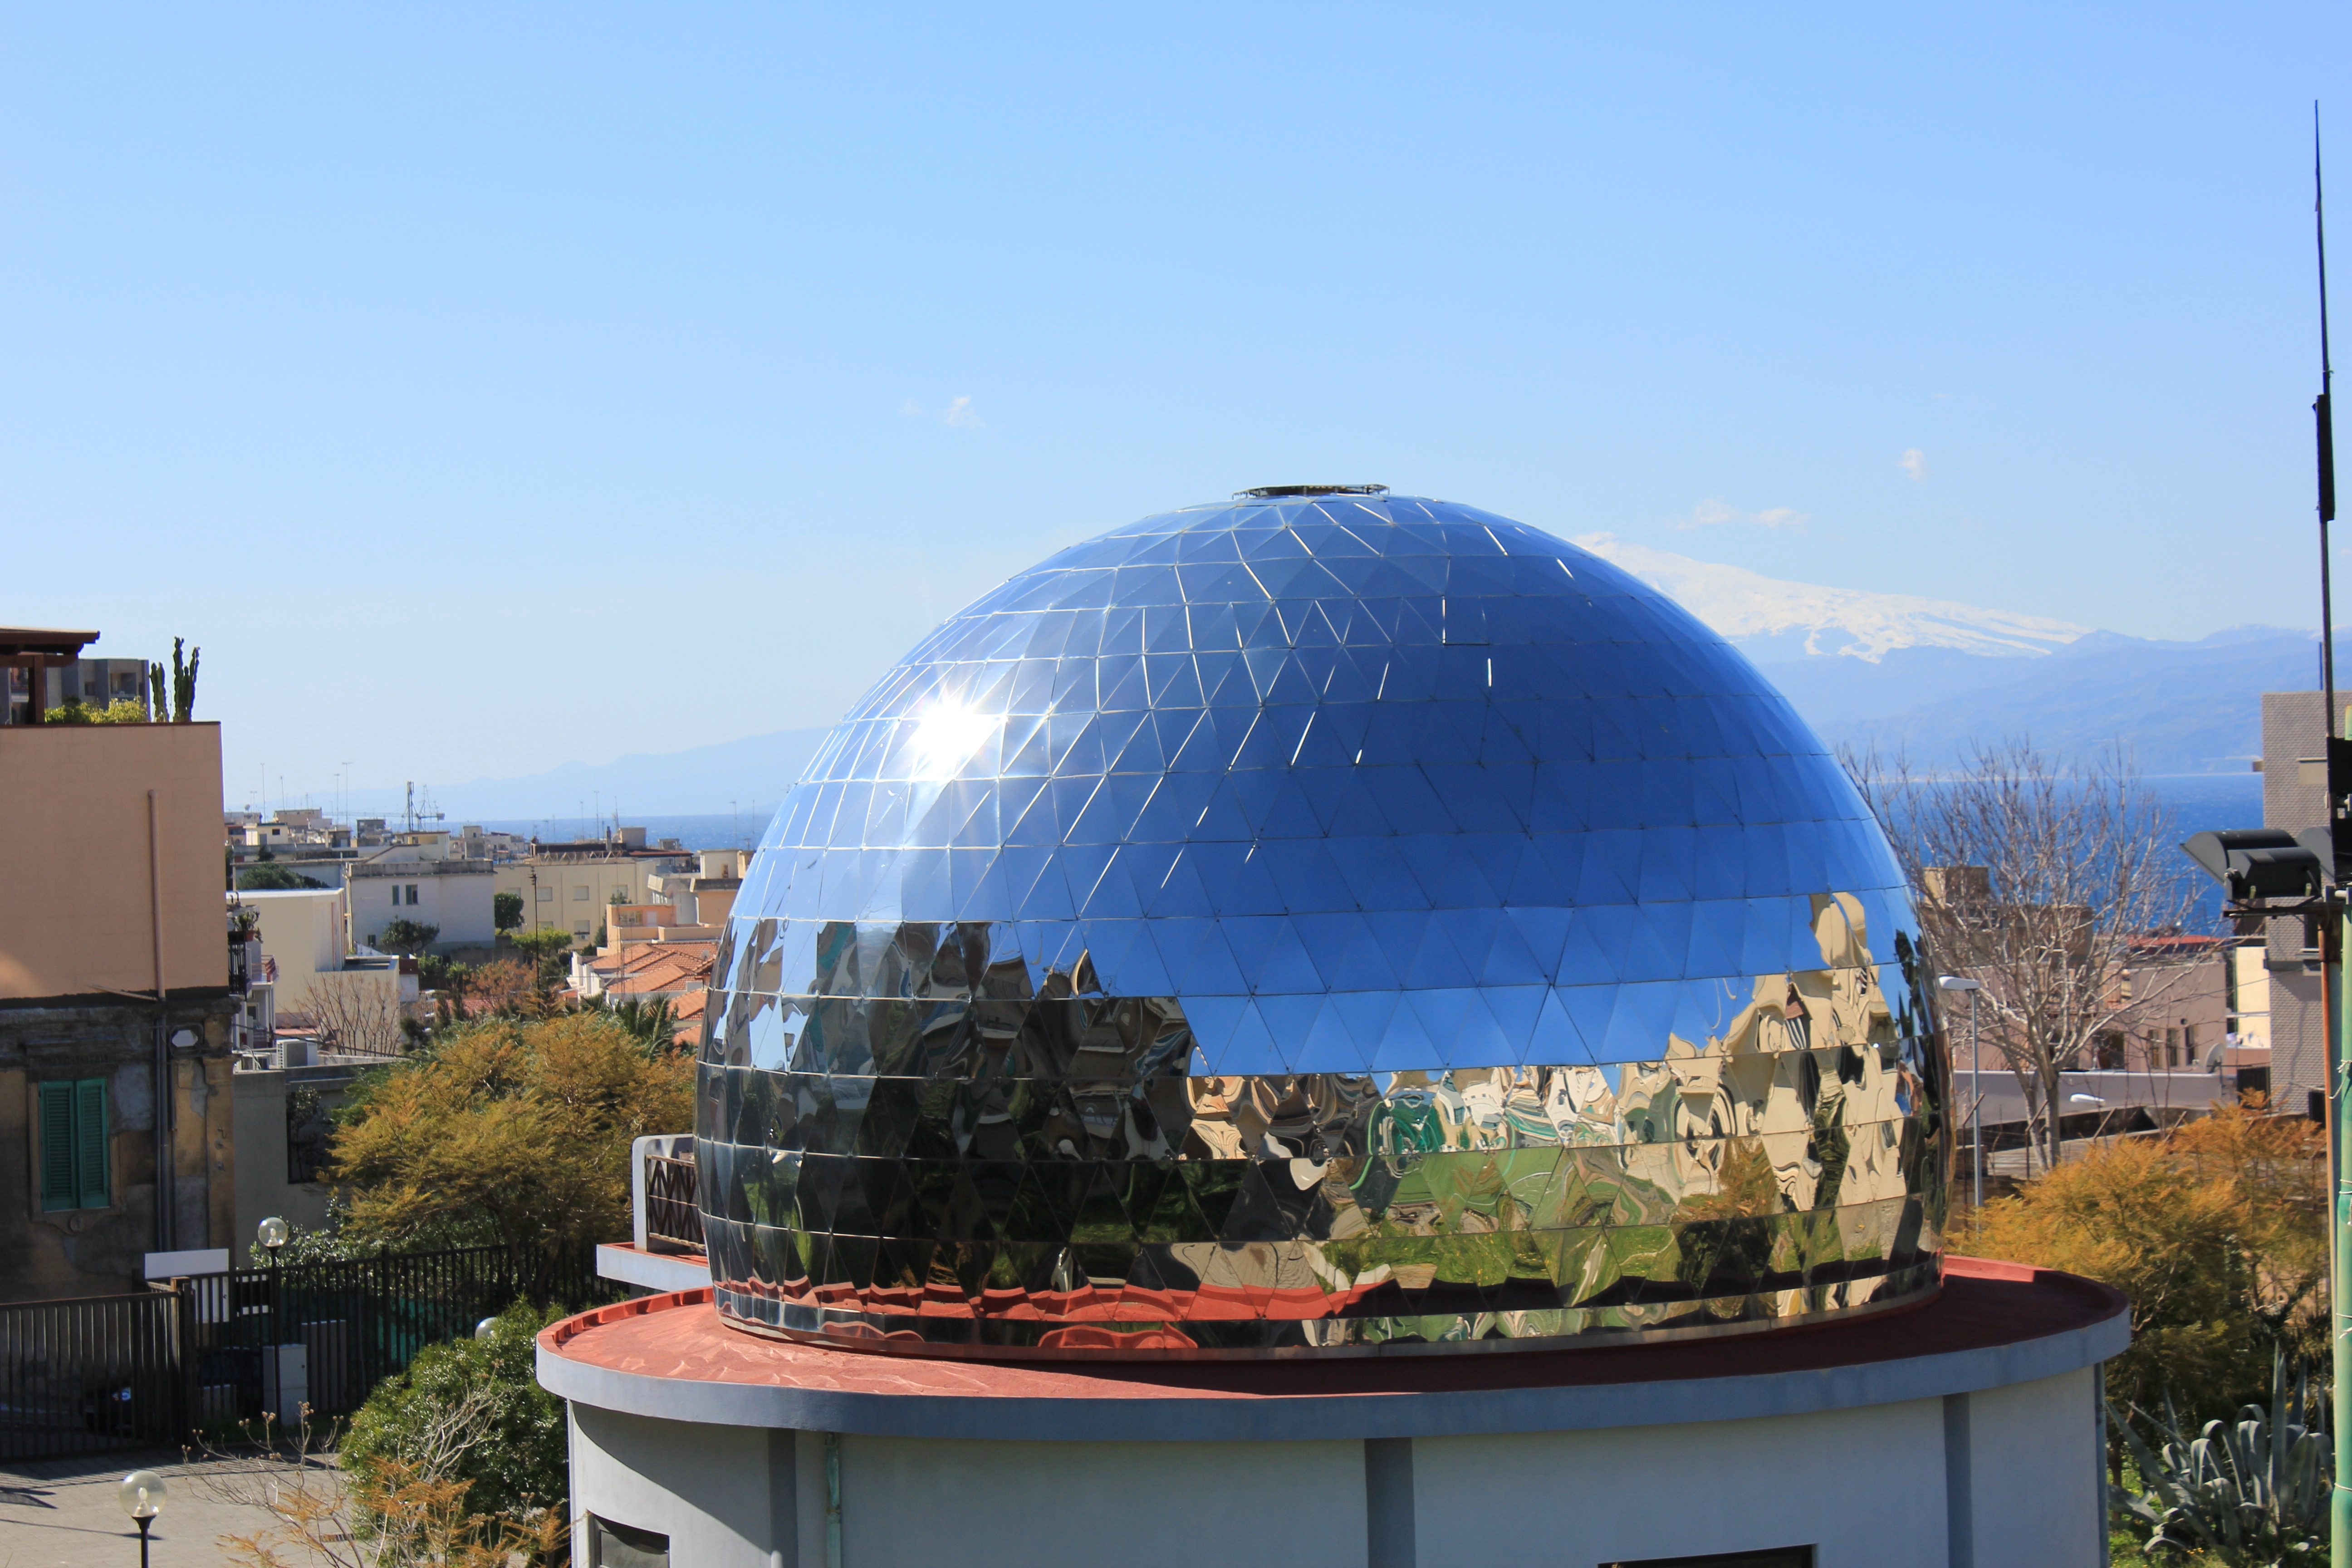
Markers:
point(97, 1373)
point(673, 1213)
point(149, 1370)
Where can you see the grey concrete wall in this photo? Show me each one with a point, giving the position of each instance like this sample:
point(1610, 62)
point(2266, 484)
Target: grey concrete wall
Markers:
point(725, 1496)
point(1140, 1505)
point(1875, 1487)
point(262, 1189)
point(2035, 1461)
point(1865, 1486)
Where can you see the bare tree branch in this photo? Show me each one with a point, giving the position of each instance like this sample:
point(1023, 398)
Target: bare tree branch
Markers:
point(2036, 881)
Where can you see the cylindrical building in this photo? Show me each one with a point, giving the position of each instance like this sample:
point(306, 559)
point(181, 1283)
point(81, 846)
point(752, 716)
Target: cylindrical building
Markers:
point(1266, 944)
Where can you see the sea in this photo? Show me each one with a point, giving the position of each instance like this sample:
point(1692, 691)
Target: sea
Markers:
point(2198, 802)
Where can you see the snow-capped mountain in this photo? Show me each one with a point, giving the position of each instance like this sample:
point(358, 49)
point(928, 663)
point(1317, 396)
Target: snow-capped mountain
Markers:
point(1772, 620)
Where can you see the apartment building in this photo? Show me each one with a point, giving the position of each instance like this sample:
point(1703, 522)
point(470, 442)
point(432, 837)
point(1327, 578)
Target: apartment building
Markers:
point(116, 1003)
point(572, 886)
point(418, 876)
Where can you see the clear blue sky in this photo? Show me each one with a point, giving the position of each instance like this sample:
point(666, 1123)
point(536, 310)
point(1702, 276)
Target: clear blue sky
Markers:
point(486, 387)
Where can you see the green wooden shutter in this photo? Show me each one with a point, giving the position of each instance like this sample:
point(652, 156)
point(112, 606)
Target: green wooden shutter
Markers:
point(90, 1142)
point(57, 1188)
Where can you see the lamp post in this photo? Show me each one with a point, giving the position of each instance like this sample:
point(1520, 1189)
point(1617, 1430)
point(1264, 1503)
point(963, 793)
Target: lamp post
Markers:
point(141, 1495)
point(1976, 1084)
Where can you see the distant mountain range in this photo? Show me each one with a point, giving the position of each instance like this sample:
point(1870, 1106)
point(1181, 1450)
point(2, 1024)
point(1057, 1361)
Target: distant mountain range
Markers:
point(1931, 677)
point(1772, 620)
point(1925, 676)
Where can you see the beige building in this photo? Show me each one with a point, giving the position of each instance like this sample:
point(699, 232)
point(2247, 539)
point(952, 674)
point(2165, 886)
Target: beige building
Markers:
point(420, 877)
point(572, 887)
point(305, 934)
point(116, 1006)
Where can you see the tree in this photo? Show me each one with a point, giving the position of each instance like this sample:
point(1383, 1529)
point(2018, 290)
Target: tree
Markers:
point(648, 1020)
point(2219, 1235)
point(408, 937)
point(266, 879)
point(506, 910)
point(2035, 881)
point(503, 985)
point(548, 949)
point(508, 1131)
point(359, 1012)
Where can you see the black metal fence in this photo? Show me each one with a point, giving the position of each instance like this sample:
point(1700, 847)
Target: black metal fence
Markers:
point(138, 1371)
point(98, 1373)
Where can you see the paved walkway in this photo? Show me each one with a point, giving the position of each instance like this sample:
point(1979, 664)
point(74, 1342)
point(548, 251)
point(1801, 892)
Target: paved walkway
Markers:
point(62, 1513)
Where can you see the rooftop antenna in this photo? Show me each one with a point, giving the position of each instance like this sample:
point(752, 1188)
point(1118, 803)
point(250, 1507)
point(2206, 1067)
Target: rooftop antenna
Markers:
point(2326, 428)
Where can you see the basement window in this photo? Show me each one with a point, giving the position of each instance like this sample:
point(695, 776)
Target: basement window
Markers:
point(611, 1545)
point(1777, 1557)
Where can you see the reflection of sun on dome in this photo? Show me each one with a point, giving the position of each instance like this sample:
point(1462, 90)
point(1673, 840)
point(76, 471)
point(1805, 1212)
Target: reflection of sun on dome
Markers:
point(1329, 922)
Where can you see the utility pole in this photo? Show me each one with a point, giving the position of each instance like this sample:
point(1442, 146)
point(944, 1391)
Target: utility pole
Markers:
point(2332, 919)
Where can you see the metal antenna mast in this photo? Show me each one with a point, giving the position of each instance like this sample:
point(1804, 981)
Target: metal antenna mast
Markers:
point(2320, 411)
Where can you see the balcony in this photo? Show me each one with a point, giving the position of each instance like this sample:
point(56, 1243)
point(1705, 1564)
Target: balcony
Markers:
point(665, 1252)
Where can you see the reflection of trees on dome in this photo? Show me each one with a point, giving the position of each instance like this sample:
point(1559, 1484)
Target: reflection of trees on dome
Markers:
point(1430, 1022)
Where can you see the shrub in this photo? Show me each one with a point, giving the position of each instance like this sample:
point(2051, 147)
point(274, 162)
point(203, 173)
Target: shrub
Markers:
point(2219, 1235)
point(469, 1411)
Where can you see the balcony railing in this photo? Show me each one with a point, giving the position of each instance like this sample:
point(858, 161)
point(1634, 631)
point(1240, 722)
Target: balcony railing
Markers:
point(673, 1216)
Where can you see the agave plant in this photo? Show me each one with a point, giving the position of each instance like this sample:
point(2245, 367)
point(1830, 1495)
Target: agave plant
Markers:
point(2251, 1492)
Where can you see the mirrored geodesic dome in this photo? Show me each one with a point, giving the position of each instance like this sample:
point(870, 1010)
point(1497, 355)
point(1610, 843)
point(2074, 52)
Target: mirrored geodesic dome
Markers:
point(1328, 922)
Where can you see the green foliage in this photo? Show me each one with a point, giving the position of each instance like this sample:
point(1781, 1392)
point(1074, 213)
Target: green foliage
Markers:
point(408, 936)
point(74, 711)
point(647, 1021)
point(266, 879)
point(518, 1463)
point(327, 1244)
point(2255, 1491)
point(506, 910)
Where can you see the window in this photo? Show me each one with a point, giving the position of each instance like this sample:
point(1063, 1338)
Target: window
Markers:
point(1782, 1557)
point(611, 1545)
point(2172, 1047)
point(546, 895)
point(579, 895)
point(73, 1145)
point(580, 932)
point(412, 892)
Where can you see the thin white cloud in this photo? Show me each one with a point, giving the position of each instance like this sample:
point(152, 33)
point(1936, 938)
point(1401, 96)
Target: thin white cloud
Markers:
point(1913, 462)
point(957, 416)
point(1716, 513)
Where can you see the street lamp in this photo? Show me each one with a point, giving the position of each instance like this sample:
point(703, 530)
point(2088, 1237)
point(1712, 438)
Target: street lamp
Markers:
point(272, 1233)
point(1976, 1084)
point(141, 1495)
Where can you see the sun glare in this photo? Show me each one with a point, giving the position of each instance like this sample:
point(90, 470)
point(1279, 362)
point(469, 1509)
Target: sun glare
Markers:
point(946, 735)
